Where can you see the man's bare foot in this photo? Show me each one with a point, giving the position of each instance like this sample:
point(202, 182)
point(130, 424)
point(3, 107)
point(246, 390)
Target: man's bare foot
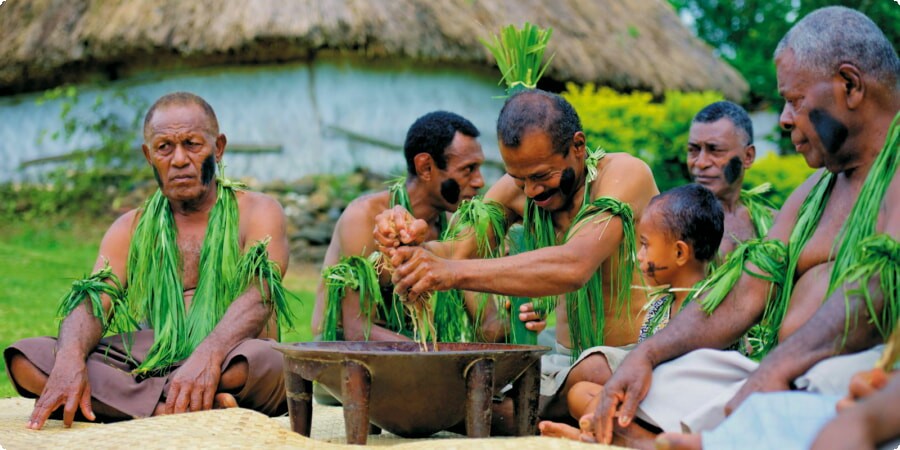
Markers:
point(678, 441)
point(559, 430)
point(223, 401)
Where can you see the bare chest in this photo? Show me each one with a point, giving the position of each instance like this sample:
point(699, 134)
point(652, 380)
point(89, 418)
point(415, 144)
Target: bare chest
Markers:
point(822, 247)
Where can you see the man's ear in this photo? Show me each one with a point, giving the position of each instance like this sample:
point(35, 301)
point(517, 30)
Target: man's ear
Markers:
point(853, 85)
point(424, 166)
point(683, 253)
point(579, 142)
point(221, 141)
point(749, 156)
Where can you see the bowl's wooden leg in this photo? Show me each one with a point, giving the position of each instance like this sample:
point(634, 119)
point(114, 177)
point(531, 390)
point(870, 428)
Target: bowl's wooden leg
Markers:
point(480, 390)
point(299, 400)
point(526, 390)
point(355, 385)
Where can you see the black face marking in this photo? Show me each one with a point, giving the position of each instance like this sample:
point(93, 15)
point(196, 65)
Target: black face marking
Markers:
point(544, 195)
point(450, 190)
point(208, 170)
point(733, 170)
point(652, 269)
point(567, 181)
point(831, 132)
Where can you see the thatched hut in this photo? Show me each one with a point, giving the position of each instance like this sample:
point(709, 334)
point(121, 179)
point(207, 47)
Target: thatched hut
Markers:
point(625, 44)
point(351, 74)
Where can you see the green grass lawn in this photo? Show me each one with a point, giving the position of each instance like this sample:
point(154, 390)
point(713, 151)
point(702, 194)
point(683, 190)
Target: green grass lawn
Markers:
point(39, 261)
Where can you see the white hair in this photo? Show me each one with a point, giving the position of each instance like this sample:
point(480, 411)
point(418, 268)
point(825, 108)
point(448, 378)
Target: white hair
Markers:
point(829, 37)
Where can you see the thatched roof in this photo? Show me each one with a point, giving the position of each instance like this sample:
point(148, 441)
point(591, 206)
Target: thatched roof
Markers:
point(626, 44)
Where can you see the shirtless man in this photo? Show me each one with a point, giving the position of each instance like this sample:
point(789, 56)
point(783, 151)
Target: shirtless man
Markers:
point(443, 161)
point(81, 372)
point(720, 149)
point(545, 153)
point(839, 77)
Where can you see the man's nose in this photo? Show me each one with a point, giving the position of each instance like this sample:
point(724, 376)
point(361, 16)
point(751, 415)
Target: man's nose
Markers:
point(703, 159)
point(533, 189)
point(786, 119)
point(179, 156)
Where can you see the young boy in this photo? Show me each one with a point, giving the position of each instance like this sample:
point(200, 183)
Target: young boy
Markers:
point(679, 235)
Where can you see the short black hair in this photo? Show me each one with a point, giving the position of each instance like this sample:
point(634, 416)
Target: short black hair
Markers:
point(692, 213)
point(432, 134)
point(183, 98)
point(534, 109)
point(732, 111)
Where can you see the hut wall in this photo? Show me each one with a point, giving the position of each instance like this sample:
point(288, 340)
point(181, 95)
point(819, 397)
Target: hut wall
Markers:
point(328, 116)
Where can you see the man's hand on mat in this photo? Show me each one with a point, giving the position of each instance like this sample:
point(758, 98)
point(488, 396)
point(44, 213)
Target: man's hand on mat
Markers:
point(67, 386)
point(759, 381)
point(621, 395)
point(193, 386)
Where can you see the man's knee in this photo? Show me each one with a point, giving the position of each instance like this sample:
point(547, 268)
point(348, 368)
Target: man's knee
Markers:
point(26, 375)
point(235, 375)
point(594, 369)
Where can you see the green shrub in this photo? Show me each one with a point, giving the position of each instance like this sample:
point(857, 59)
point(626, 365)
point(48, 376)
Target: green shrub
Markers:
point(86, 180)
point(655, 131)
point(785, 173)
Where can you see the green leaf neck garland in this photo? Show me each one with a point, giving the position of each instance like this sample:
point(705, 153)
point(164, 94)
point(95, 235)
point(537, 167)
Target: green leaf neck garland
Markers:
point(759, 208)
point(155, 293)
point(486, 220)
point(585, 306)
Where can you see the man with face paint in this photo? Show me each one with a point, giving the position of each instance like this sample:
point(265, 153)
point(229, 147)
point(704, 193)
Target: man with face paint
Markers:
point(827, 251)
point(720, 149)
point(137, 375)
point(554, 177)
point(443, 161)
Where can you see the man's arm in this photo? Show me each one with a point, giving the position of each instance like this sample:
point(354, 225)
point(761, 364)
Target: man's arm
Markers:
point(548, 271)
point(193, 385)
point(353, 236)
point(79, 333)
point(822, 336)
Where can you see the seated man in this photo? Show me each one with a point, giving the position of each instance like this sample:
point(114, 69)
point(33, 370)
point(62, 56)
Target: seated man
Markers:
point(815, 284)
point(720, 149)
point(577, 208)
point(443, 160)
point(679, 234)
point(175, 267)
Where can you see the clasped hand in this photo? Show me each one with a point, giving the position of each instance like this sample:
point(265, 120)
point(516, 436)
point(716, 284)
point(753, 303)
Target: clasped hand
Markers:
point(416, 272)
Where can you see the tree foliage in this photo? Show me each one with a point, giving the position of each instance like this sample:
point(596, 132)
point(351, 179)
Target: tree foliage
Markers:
point(745, 32)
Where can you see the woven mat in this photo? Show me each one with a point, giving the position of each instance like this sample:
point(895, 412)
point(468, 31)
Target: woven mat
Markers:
point(232, 428)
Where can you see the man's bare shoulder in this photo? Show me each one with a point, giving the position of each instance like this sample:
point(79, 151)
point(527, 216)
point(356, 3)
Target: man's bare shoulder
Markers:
point(364, 208)
point(250, 202)
point(792, 205)
point(626, 178)
point(125, 224)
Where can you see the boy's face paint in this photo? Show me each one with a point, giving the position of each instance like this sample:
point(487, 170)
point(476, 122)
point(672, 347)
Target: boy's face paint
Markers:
point(656, 251)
